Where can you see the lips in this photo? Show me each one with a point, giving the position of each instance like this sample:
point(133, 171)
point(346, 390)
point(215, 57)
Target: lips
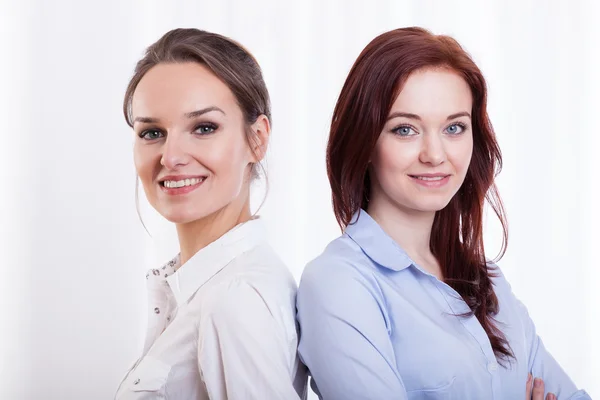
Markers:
point(180, 184)
point(431, 180)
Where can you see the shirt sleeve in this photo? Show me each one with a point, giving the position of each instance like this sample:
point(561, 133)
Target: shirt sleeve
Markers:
point(541, 364)
point(242, 350)
point(344, 339)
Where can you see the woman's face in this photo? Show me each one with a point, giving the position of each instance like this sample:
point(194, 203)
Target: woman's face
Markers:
point(422, 156)
point(191, 152)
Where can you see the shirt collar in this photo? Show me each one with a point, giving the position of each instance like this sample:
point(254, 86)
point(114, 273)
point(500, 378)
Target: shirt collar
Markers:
point(213, 258)
point(375, 243)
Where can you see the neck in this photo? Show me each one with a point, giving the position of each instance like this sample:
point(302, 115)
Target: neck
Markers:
point(410, 229)
point(196, 235)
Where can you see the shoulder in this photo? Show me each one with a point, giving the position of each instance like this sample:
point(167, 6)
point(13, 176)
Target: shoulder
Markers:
point(341, 256)
point(510, 307)
point(258, 282)
point(262, 269)
point(501, 285)
point(233, 297)
point(342, 270)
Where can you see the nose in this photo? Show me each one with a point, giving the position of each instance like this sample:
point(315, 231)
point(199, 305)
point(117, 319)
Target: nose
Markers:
point(174, 153)
point(432, 150)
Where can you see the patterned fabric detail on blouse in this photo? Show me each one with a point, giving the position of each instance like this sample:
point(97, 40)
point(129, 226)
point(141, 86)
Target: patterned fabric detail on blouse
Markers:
point(161, 303)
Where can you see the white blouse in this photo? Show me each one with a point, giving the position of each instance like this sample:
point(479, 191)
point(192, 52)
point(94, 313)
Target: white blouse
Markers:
point(221, 327)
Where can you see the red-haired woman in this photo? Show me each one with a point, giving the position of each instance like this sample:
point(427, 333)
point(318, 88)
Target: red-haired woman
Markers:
point(405, 305)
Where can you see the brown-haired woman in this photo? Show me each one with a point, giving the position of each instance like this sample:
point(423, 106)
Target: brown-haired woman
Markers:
point(221, 314)
point(404, 305)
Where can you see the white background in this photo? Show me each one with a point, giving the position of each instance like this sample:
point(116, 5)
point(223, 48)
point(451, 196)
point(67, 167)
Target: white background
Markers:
point(73, 253)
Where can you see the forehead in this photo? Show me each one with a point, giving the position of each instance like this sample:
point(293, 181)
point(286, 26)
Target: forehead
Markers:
point(171, 90)
point(433, 92)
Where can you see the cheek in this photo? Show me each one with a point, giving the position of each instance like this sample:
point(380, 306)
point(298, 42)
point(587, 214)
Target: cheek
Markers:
point(463, 153)
point(142, 162)
point(391, 157)
point(227, 159)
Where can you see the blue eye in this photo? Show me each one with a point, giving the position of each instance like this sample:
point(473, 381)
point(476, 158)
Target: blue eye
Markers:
point(151, 134)
point(455, 129)
point(205, 129)
point(404, 130)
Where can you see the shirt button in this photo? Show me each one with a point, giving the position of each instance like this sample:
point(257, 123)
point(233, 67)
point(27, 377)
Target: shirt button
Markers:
point(136, 381)
point(492, 367)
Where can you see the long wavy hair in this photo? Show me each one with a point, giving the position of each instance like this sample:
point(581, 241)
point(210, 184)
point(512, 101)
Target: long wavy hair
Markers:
point(363, 106)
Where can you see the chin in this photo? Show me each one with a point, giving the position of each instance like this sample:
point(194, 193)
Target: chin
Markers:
point(430, 205)
point(182, 216)
point(179, 219)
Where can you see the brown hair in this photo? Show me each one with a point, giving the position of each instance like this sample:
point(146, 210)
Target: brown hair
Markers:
point(228, 60)
point(371, 87)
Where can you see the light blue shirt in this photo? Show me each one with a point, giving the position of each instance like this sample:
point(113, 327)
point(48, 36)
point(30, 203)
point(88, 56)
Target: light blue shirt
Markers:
point(374, 325)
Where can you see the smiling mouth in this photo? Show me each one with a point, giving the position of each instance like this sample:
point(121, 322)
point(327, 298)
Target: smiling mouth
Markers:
point(432, 181)
point(170, 184)
point(429, 178)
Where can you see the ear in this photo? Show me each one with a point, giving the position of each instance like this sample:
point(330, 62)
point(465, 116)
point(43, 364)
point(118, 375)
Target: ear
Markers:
point(259, 142)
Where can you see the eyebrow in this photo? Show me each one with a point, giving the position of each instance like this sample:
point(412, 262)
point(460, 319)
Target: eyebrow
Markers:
point(193, 114)
point(415, 116)
point(198, 113)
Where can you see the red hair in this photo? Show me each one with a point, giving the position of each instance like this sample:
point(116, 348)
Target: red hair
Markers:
point(363, 106)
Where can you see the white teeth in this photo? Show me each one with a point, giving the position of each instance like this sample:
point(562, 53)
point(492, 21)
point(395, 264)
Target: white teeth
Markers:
point(430, 178)
point(183, 182)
